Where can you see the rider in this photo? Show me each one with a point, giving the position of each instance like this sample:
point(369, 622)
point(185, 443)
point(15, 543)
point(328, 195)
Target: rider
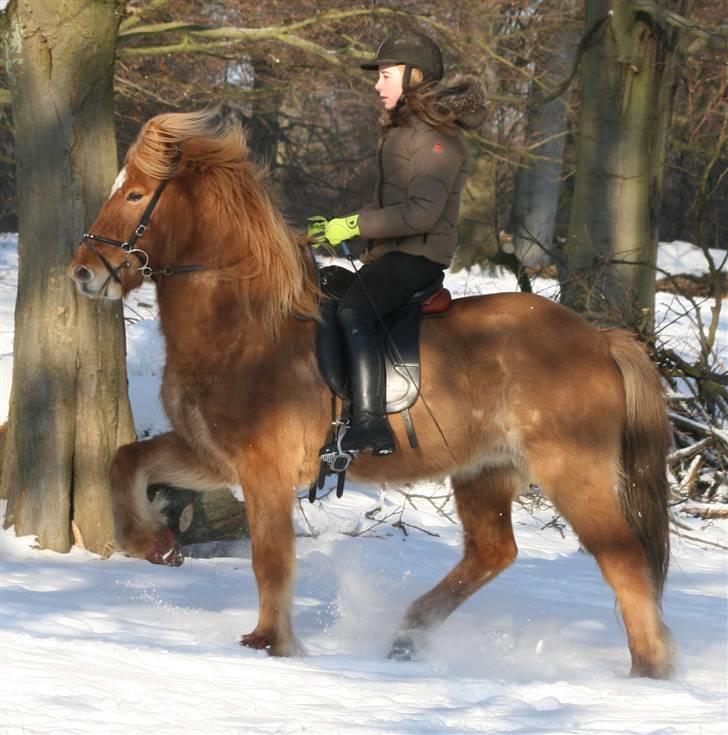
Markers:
point(412, 226)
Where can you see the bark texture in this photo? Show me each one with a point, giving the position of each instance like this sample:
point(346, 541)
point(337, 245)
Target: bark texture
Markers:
point(628, 84)
point(68, 407)
point(477, 227)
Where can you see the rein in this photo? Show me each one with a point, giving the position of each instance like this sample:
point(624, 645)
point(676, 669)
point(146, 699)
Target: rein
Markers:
point(128, 246)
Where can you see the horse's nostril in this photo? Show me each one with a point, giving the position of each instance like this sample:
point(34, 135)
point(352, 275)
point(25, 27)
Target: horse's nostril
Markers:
point(82, 274)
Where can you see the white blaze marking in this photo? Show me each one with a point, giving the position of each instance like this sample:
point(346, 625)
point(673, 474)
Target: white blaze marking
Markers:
point(120, 180)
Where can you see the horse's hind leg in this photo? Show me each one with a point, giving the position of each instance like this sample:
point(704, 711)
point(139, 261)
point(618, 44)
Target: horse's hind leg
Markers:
point(164, 459)
point(587, 497)
point(484, 505)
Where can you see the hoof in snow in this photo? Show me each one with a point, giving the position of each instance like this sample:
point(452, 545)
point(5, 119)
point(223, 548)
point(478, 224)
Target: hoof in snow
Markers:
point(165, 550)
point(403, 649)
point(253, 640)
point(664, 671)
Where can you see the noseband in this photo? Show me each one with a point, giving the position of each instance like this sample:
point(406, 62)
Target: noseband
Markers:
point(127, 246)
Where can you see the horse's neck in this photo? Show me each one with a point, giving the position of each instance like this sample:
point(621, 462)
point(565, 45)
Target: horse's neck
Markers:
point(204, 320)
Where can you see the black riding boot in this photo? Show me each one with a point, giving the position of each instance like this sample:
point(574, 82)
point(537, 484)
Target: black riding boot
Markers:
point(369, 429)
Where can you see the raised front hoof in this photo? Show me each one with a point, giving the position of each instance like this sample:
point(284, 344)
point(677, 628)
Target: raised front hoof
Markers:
point(165, 550)
point(256, 641)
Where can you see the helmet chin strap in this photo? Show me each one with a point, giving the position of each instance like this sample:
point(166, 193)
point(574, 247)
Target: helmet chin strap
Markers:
point(406, 78)
point(407, 85)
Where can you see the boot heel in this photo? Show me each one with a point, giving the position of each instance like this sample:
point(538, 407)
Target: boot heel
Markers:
point(383, 451)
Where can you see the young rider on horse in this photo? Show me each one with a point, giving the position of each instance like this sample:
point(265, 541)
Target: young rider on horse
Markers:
point(412, 226)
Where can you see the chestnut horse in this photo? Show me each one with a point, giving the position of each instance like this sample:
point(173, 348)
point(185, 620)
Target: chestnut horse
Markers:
point(520, 389)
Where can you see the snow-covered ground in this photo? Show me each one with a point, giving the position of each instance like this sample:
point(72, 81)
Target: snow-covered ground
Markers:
point(121, 646)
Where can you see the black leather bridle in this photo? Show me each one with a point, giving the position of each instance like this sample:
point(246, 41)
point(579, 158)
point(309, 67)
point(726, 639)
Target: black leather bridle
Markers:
point(128, 246)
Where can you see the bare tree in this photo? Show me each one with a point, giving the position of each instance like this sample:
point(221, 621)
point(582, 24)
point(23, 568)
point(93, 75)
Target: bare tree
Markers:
point(628, 84)
point(68, 408)
point(538, 180)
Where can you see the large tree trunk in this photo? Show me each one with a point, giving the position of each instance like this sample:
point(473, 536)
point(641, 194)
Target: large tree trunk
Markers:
point(68, 407)
point(628, 84)
point(538, 182)
point(478, 224)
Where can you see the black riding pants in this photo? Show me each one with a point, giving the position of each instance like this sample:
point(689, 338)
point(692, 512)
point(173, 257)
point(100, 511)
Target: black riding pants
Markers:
point(383, 286)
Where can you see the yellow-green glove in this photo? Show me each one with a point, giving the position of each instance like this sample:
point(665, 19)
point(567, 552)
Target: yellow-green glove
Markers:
point(316, 227)
point(340, 229)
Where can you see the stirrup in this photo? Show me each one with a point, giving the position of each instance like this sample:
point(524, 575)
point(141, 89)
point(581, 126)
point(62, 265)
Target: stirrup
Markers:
point(333, 460)
point(334, 455)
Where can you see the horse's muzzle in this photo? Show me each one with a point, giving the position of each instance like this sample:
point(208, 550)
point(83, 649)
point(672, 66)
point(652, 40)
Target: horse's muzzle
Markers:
point(81, 274)
point(94, 285)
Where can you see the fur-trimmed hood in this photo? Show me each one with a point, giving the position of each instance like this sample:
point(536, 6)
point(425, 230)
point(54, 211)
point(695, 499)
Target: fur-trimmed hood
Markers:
point(462, 95)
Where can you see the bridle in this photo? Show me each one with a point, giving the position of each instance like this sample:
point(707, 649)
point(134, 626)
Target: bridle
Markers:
point(128, 246)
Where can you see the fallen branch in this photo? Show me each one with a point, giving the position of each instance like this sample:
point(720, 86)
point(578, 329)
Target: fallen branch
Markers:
point(691, 475)
point(697, 426)
point(707, 514)
point(696, 539)
point(404, 525)
point(689, 451)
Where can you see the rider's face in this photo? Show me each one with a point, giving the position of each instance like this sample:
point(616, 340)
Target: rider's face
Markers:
point(389, 85)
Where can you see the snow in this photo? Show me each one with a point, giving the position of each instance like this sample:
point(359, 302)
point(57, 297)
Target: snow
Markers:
point(122, 646)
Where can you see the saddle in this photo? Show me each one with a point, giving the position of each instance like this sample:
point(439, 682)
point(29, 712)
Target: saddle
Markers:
point(398, 338)
point(399, 342)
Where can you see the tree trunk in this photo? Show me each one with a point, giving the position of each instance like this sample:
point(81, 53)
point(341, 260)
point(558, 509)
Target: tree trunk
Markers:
point(538, 182)
point(264, 129)
point(478, 224)
point(202, 518)
point(69, 408)
point(628, 84)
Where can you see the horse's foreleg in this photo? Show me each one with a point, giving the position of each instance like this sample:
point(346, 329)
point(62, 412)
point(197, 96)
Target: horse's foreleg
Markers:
point(484, 506)
point(140, 524)
point(269, 510)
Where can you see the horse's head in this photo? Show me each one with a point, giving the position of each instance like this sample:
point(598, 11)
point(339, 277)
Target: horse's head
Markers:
point(189, 199)
point(126, 242)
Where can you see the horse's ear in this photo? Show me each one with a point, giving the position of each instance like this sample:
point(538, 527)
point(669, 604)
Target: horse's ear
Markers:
point(185, 162)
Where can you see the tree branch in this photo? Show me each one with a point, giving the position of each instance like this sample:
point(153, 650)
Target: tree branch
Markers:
point(586, 41)
point(716, 39)
point(154, 28)
point(217, 37)
point(187, 45)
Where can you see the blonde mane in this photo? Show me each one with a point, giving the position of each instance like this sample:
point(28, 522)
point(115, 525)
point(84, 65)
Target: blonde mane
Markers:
point(210, 146)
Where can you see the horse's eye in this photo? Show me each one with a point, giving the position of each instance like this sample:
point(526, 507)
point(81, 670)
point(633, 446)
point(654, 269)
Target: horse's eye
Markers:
point(134, 196)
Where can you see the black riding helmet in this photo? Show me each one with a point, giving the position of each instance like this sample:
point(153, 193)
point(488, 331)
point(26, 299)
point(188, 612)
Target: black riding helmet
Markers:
point(412, 49)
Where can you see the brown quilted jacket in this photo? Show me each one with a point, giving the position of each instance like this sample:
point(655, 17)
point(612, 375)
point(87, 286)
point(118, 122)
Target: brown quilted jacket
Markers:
point(421, 173)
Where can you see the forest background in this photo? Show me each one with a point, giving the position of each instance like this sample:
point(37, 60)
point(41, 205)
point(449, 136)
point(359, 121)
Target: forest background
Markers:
point(568, 84)
point(292, 67)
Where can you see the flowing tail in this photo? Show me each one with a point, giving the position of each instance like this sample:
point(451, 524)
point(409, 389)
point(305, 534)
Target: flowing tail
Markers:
point(644, 489)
